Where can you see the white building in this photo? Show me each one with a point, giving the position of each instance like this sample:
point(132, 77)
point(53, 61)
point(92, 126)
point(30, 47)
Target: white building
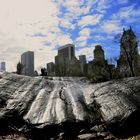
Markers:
point(27, 61)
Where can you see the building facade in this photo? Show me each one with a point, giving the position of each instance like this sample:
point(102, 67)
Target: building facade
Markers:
point(82, 59)
point(99, 54)
point(129, 60)
point(97, 69)
point(67, 51)
point(50, 69)
point(27, 61)
point(2, 66)
point(66, 64)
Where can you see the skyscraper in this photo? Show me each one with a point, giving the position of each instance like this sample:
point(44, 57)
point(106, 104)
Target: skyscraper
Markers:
point(27, 61)
point(67, 51)
point(129, 43)
point(2, 66)
point(97, 67)
point(99, 53)
point(65, 59)
point(82, 59)
point(51, 69)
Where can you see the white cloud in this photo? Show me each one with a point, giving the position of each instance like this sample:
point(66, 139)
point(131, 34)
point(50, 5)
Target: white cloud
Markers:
point(130, 14)
point(124, 12)
point(90, 20)
point(36, 25)
point(77, 7)
point(19, 11)
point(88, 51)
point(111, 26)
point(73, 3)
point(74, 9)
point(67, 24)
point(83, 37)
point(20, 21)
point(122, 1)
point(85, 32)
point(102, 37)
point(103, 5)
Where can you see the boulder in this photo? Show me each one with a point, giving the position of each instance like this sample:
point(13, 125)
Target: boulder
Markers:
point(43, 102)
point(39, 102)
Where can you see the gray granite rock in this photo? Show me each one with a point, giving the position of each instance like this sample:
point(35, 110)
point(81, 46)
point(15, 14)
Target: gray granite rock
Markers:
point(44, 101)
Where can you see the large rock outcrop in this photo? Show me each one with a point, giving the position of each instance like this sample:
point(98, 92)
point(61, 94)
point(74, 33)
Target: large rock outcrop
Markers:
point(43, 102)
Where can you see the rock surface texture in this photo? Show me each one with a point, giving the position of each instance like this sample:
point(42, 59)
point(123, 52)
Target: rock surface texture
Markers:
point(69, 108)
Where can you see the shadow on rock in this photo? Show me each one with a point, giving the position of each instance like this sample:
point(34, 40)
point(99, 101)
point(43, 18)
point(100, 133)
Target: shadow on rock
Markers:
point(129, 127)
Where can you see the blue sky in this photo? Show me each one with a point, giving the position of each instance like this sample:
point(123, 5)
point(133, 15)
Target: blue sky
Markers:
point(44, 25)
point(99, 21)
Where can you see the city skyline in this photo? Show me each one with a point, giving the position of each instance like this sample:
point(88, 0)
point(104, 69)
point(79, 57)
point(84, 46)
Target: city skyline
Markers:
point(43, 26)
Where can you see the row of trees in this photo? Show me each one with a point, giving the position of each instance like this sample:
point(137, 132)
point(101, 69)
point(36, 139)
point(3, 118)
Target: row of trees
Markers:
point(20, 68)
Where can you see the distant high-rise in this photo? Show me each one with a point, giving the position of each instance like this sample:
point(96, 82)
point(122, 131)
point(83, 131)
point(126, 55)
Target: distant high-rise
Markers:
point(97, 67)
point(67, 51)
point(27, 61)
point(2, 66)
point(129, 43)
point(99, 53)
point(82, 59)
point(51, 69)
point(65, 61)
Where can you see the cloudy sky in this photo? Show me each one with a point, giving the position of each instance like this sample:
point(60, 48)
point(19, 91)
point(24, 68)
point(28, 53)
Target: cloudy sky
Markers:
point(44, 25)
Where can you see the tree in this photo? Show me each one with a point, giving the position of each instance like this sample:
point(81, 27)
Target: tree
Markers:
point(35, 73)
point(43, 72)
point(19, 68)
point(112, 69)
point(98, 72)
